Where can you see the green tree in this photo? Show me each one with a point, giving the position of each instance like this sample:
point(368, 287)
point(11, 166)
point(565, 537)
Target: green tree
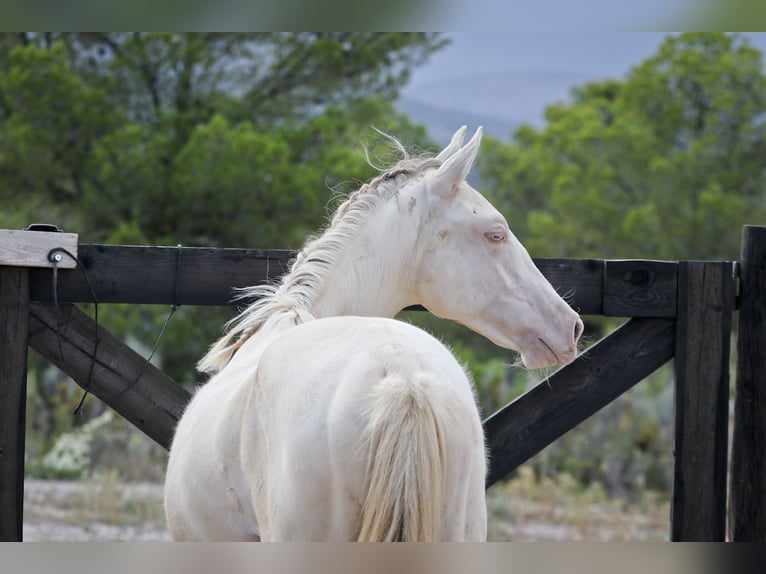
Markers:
point(667, 164)
point(109, 129)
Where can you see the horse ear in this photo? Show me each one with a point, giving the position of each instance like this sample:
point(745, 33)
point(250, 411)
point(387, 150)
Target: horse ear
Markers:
point(454, 144)
point(448, 177)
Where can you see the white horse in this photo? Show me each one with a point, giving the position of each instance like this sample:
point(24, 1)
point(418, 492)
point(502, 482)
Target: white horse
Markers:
point(333, 421)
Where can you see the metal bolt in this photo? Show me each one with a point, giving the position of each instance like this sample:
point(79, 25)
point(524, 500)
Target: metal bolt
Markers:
point(57, 257)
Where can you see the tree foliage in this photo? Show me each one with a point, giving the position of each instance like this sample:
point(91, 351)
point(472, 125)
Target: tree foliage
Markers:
point(193, 138)
point(666, 164)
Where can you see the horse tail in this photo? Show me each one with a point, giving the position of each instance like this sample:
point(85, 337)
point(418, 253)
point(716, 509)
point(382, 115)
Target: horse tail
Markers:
point(407, 461)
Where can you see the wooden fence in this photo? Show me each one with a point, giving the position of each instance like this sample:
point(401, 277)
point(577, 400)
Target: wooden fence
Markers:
point(680, 310)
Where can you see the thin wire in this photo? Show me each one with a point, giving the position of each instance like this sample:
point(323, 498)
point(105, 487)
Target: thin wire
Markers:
point(175, 305)
point(173, 308)
point(53, 259)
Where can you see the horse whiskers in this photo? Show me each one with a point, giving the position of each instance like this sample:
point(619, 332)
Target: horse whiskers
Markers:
point(568, 296)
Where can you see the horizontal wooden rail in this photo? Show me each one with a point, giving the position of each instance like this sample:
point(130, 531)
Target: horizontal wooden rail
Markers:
point(161, 275)
point(208, 276)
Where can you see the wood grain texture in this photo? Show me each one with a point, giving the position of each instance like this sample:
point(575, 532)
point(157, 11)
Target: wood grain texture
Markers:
point(209, 276)
point(162, 275)
point(579, 281)
point(14, 312)
point(121, 378)
point(748, 464)
point(524, 427)
point(638, 288)
point(703, 335)
point(31, 248)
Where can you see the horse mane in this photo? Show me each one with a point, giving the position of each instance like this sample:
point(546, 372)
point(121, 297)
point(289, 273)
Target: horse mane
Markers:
point(289, 301)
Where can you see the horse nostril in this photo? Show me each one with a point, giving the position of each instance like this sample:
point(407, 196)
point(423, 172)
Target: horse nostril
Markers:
point(578, 330)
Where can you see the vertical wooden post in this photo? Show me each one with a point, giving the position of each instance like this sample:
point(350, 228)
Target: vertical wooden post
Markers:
point(706, 292)
point(748, 465)
point(14, 314)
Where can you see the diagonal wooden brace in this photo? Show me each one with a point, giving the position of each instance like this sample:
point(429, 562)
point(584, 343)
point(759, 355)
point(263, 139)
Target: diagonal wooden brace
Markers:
point(527, 425)
point(153, 403)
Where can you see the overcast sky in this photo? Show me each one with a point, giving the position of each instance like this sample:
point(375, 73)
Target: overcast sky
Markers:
point(596, 53)
point(592, 53)
point(538, 68)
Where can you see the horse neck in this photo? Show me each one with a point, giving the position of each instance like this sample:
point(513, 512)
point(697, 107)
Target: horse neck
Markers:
point(372, 275)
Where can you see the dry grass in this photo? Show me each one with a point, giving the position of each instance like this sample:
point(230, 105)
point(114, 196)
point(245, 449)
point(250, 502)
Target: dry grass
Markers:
point(524, 509)
point(101, 509)
point(521, 509)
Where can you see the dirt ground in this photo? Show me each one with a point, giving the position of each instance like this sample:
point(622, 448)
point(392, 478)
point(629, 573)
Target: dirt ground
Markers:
point(93, 511)
point(105, 509)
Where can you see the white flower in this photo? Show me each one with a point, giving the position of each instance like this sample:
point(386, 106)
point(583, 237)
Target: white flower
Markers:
point(70, 455)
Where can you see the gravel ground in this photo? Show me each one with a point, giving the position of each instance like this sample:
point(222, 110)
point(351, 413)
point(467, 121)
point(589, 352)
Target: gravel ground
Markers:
point(93, 511)
point(107, 510)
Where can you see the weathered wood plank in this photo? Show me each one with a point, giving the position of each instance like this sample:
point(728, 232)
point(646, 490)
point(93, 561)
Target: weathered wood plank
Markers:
point(580, 281)
point(207, 276)
point(153, 402)
point(640, 288)
point(31, 248)
point(748, 464)
point(524, 427)
point(162, 275)
point(14, 313)
point(703, 333)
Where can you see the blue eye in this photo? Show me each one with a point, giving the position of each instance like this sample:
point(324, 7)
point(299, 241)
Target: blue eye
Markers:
point(495, 236)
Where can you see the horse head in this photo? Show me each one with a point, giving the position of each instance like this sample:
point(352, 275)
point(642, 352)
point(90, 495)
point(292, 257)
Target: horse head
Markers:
point(473, 270)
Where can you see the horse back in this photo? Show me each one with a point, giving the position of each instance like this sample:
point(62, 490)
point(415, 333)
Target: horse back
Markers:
point(315, 392)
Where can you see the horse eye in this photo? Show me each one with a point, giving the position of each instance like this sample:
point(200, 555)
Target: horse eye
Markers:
point(495, 236)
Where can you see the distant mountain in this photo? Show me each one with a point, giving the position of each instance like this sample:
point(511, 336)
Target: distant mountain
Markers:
point(501, 102)
point(441, 123)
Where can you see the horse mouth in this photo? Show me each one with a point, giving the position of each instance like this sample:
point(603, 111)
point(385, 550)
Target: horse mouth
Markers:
point(543, 355)
point(550, 350)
